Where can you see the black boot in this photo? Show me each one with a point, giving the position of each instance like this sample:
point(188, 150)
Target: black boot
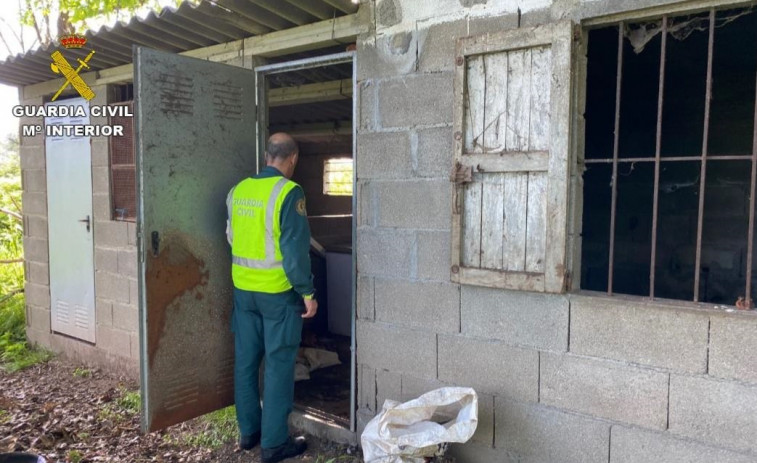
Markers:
point(290, 448)
point(249, 442)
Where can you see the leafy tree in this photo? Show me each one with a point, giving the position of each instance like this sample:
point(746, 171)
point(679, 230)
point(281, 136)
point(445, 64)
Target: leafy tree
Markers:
point(49, 19)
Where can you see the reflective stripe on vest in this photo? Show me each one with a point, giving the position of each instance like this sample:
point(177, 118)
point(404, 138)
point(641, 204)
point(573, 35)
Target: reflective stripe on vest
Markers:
point(256, 254)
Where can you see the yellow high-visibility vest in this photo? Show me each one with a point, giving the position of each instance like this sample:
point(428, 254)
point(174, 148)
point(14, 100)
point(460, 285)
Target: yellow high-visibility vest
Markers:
point(254, 208)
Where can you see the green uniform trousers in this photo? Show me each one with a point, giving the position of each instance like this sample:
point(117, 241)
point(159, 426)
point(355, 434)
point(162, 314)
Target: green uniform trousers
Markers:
point(265, 326)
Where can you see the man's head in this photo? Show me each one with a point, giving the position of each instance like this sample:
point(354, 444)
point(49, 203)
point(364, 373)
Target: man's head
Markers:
point(282, 153)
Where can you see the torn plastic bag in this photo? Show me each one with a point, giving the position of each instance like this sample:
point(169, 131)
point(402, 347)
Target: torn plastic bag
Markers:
point(408, 432)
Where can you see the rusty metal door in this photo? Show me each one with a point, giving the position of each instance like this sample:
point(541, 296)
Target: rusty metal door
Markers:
point(195, 139)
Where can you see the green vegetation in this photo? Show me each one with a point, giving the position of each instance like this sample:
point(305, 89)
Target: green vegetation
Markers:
point(123, 408)
point(15, 353)
point(322, 459)
point(80, 372)
point(74, 456)
point(216, 429)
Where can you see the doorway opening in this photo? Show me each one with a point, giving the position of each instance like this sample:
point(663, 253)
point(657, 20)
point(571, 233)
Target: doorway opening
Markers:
point(312, 99)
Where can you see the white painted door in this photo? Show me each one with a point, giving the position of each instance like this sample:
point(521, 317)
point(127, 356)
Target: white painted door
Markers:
point(69, 209)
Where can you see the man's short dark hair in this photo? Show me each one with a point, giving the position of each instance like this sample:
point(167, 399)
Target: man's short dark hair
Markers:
point(281, 147)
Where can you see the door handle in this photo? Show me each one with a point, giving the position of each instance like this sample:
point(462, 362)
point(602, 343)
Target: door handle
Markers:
point(87, 221)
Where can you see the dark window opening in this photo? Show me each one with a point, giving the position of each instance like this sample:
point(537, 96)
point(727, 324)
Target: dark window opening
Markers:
point(678, 136)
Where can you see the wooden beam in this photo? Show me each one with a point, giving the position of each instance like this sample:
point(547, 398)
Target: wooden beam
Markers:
point(297, 39)
point(310, 93)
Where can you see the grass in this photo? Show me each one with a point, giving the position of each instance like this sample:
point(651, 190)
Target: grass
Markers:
point(123, 407)
point(74, 456)
point(80, 372)
point(216, 429)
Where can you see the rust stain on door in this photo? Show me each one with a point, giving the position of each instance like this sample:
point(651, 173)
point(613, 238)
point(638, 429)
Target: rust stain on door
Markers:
point(173, 273)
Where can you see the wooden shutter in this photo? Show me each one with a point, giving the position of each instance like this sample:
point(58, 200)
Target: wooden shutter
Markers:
point(512, 139)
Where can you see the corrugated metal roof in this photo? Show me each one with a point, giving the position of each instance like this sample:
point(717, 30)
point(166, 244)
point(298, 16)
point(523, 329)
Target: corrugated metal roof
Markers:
point(184, 28)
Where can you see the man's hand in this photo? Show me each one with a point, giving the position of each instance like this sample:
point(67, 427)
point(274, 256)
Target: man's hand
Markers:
point(311, 307)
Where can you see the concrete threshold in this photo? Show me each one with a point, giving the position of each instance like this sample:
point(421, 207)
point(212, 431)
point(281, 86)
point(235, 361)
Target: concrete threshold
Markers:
point(321, 428)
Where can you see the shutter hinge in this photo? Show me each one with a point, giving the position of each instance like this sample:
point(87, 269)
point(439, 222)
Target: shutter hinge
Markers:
point(461, 174)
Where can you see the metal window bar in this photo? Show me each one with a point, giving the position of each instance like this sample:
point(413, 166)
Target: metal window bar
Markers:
point(658, 144)
point(703, 163)
point(615, 147)
point(658, 160)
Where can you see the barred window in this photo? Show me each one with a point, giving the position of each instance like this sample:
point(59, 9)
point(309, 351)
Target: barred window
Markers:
point(123, 178)
point(337, 177)
point(670, 164)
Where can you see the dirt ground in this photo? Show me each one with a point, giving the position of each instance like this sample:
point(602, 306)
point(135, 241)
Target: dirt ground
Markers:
point(67, 413)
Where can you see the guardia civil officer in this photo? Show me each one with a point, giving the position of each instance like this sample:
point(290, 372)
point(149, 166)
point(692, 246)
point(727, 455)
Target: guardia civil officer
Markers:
point(273, 291)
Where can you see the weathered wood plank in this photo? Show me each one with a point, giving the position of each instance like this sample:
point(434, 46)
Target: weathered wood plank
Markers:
point(495, 111)
point(471, 241)
point(541, 83)
point(518, 99)
point(520, 281)
point(513, 39)
point(560, 143)
point(514, 233)
point(534, 161)
point(536, 222)
point(492, 220)
point(475, 82)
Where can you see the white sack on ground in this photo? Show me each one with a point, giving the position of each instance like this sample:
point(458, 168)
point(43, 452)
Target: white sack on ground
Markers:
point(408, 432)
point(310, 359)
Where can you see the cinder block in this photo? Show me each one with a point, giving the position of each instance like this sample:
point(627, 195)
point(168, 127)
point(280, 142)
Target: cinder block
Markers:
point(388, 387)
point(39, 318)
point(634, 445)
point(36, 249)
point(37, 295)
point(723, 413)
point(100, 180)
point(101, 207)
point(435, 152)
point(639, 332)
point(367, 387)
point(397, 349)
point(605, 389)
point(433, 255)
point(127, 262)
point(366, 213)
point(416, 100)
point(387, 55)
point(436, 45)
point(106, 259)
point(131, 228)
point(489, 366)
point(531, 433)
point(421, 204)
point(34, 203)
point(363, 417)
point(110, 233)
point(134, 292)
point(413, 387)
point(516, 317)
point(365, 298)
point(125, 317)
point(473, 452)
point(491, 24)
point(430, 306)
point(103, 312)
point(38, 273)
point(32, 156)
point(134, 344)
point(114, 341)
point(733, 345)
point(35, 226)
point(112, 286)
point(368, 116)
point(34, 180)
point(383, 155)
point(385, 253)
point(100, 154)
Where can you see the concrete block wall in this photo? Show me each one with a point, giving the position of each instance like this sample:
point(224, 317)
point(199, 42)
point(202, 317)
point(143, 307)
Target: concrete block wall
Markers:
point(115, 260)
point(561, 378)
